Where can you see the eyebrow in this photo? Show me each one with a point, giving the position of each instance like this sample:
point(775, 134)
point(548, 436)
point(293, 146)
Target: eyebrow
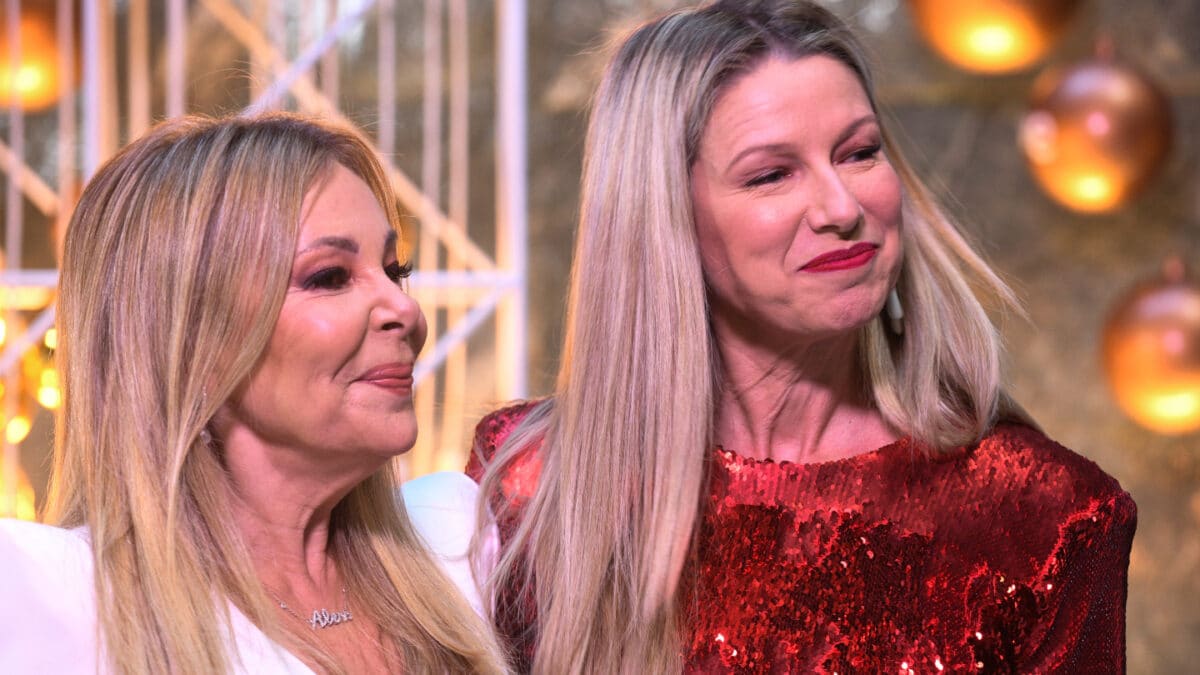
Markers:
point(855, 125)
point(346, 243)
point(849, 131)
point(343, 243)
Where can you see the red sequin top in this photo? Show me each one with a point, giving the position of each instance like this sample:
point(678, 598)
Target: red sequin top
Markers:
point(1006, 557)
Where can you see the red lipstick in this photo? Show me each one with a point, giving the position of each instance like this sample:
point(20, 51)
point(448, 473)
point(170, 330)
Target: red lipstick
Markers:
point(394, 377)
point(848, 258)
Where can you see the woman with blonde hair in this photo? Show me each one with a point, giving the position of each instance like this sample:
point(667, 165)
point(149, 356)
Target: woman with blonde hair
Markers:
point(779, 440)
point(236, 348)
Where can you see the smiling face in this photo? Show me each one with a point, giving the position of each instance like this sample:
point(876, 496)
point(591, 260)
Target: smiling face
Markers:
point(797, 208)
point(336, 377)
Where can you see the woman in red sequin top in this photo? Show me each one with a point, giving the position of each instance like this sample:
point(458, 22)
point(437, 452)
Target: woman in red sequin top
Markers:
point(779, 441)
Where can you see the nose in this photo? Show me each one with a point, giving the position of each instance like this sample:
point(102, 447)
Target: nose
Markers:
point(834, 206)
point(397, 312)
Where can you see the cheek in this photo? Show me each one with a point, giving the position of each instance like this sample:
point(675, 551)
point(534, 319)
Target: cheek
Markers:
point(311, 344)
point(710, 243)
point(741, 233)
point(709, 238)
point(886, 208)
point(881, 198)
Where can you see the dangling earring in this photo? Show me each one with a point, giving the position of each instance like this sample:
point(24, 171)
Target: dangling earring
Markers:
point(895, 312)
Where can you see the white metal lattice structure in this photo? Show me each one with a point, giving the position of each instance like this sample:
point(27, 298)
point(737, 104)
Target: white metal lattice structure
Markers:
point(458, 284)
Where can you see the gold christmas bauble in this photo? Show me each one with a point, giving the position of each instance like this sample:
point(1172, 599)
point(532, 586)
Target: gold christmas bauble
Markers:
point(1151, 354)
point(1096, 132)
point(992, 36)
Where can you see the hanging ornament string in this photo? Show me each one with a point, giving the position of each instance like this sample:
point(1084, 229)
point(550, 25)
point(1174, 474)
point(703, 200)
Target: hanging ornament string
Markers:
point(321, 618)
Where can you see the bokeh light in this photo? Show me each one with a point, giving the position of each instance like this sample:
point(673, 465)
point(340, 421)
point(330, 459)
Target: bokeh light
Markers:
point(19, 504)
point(1096, 132)
point(1151, 357)
point(992, 36)
point(33, 83)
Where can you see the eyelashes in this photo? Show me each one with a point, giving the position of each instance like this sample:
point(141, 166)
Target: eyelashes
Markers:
point(397, 272)
point(327, 279)
point(338, 277)
point(773, 176)
point(868, 153)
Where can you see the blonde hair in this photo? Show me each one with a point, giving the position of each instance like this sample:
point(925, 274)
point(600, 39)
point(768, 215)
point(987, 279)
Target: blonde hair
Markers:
point(600, 547)
point(176, 263)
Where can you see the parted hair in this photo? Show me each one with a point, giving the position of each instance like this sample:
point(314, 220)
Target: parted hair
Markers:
point(625, 438)
point(175, 267)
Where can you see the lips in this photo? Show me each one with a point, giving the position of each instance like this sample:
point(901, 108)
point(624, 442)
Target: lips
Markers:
point(396, 377)
point(848, 258)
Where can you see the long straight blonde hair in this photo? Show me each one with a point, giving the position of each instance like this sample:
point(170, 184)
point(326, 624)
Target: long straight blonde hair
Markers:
point(176, 263)
point(600, 547)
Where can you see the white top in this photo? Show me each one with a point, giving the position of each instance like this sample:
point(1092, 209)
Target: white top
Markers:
point(47, 597)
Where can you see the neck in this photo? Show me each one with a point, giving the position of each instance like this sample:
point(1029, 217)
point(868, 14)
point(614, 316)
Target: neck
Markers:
point(287, 536)
point(282, 505)
point(802, 401)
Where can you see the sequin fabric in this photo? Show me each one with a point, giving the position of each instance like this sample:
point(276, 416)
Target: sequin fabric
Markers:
point(1007, 557)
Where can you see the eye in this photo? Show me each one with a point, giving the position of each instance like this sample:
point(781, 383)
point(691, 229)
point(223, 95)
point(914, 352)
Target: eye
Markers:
point(767, 178)
point(330, 278)
point(397, 272)
point(865, 154)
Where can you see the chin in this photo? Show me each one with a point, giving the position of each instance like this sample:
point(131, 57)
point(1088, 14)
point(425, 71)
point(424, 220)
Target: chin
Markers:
point(400, 443)
point(398, 428)
point(383, 441)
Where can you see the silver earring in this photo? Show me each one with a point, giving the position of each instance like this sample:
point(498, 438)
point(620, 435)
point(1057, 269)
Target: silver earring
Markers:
point(206, 436)
point(895, 312)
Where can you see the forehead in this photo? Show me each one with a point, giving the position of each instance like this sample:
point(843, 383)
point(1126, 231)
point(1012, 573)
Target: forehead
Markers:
point(340, 203)
point(808, 88)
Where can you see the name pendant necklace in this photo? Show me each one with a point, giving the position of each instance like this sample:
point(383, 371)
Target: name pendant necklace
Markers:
point(322, 618)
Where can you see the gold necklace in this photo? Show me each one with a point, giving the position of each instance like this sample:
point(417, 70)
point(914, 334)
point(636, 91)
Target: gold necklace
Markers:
point(321, 618)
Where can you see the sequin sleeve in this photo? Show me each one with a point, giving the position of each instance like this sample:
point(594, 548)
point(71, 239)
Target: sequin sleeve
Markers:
point(514, 614)
point(1085, 592)
point(483, 447)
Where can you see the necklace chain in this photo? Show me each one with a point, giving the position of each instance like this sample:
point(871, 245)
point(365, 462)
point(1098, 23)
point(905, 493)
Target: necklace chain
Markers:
point(321, 618)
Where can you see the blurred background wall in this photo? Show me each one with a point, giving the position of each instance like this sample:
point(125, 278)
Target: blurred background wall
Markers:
point(960, 128)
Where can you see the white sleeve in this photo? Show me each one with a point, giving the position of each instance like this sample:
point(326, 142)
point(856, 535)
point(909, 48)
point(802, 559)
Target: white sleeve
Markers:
point(442, 508)
point(47, 600)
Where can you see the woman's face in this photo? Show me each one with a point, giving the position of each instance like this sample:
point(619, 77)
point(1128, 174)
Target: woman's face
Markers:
point(797, 208)
point(337, 375)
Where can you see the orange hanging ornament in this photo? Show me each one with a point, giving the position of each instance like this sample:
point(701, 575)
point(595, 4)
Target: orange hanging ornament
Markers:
point(1151, 352)
point(992, 36)
point(1095, 134)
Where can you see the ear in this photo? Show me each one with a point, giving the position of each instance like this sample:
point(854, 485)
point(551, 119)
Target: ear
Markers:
point(227, 417)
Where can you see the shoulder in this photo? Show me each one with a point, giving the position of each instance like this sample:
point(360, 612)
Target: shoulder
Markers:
point(496, 427)
point(441, 506)
point(31, 551)
point(446, 493)
point(1075, 525)
point(442, 509)
point(48, 610)
point(35, 537)
point(521, 471)
point(1030, 457)
point(1032, 477)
